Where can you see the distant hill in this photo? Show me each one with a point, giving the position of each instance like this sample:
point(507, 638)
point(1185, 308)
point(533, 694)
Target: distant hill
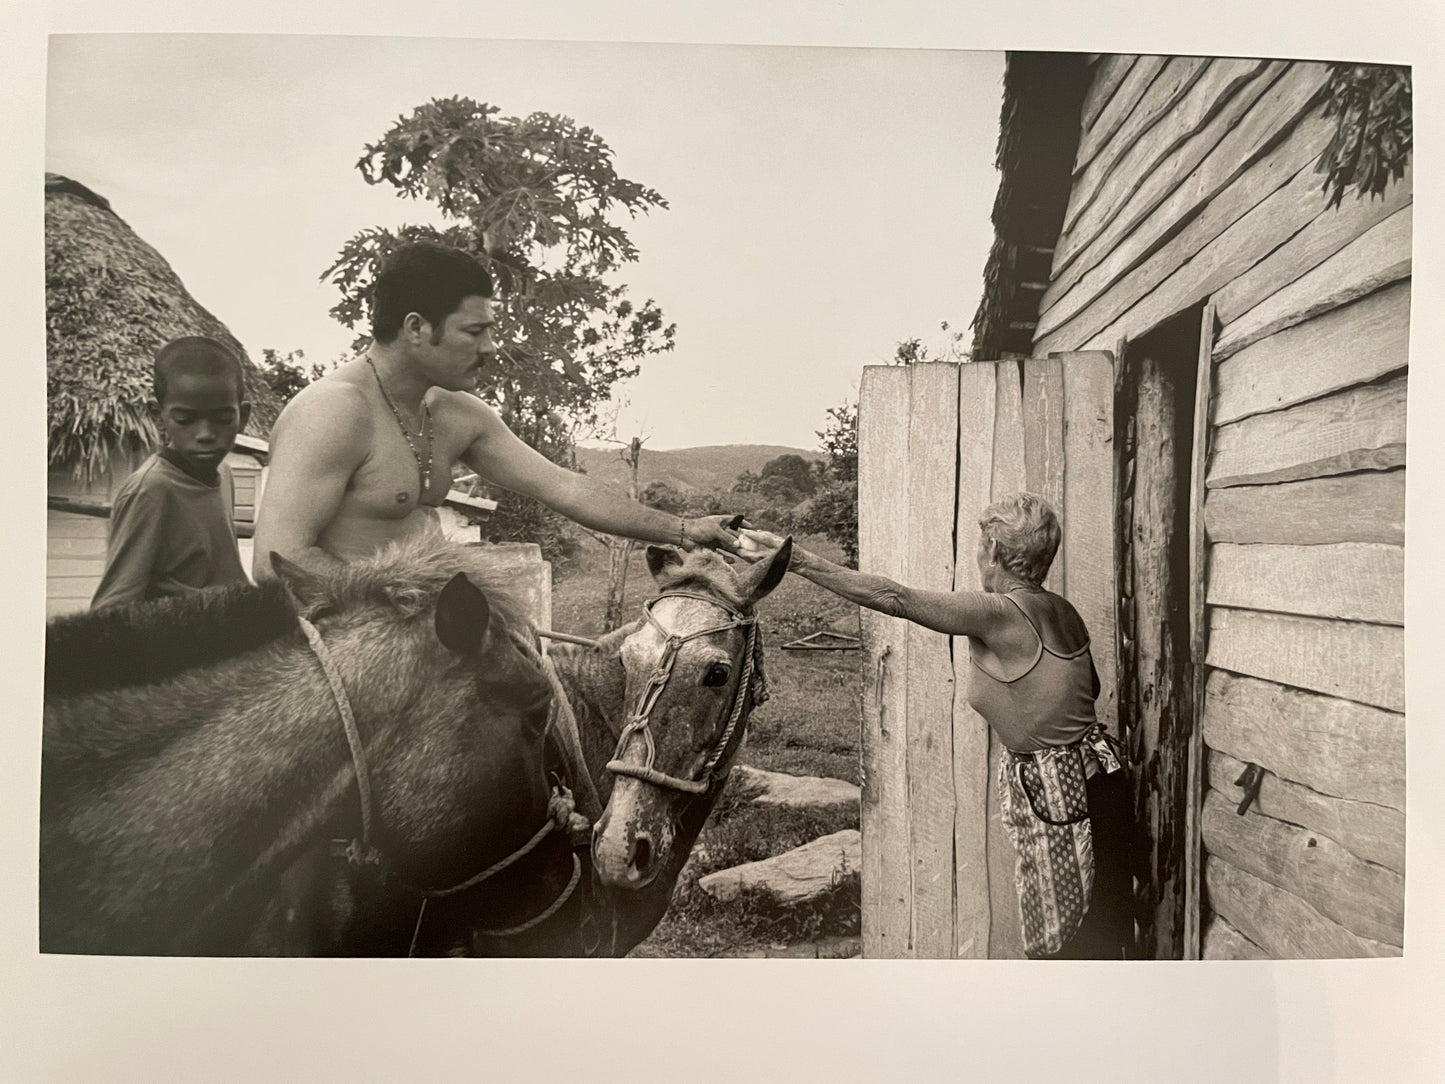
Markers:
point(686, 469)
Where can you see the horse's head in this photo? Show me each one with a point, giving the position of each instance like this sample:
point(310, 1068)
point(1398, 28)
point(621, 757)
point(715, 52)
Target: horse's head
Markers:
point(448, 696)
point(692, 673)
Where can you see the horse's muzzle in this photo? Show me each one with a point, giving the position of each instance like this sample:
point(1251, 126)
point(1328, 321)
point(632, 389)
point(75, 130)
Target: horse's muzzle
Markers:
point(625, 856)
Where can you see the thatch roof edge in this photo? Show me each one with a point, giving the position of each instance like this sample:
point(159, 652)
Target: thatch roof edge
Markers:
point(111, 301)
point(1037, 143)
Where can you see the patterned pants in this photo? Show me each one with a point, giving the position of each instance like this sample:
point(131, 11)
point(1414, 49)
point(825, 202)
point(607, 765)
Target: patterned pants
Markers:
point(1070, 837)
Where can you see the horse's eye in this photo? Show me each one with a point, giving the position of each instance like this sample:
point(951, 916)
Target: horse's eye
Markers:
point(717, 674)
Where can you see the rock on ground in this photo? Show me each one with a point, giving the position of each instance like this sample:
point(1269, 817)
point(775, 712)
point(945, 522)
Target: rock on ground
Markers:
point(795, 791)
point(796, 876)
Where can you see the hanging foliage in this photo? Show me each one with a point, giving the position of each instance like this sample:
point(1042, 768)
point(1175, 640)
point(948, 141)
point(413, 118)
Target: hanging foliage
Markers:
point(1373, 135)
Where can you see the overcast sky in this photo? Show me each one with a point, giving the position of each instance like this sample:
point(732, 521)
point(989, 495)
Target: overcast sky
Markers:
point(824, 203)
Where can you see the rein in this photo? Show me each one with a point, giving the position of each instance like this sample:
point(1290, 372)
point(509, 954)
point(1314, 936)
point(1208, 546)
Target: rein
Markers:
point(638, 722)
point(362, 852)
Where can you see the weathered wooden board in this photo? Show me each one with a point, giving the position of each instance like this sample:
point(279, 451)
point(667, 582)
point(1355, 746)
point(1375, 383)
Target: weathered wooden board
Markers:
point(1365, 898)
point(69, 525)
point(1360, 428)
point(928, 565)
point(1367, 507)
point(1282, 924)
point(1163, 94)
point(1089, 511)
point(1005, 939)
point(1120, 105)
point(1154, 697)
point(1198, 632)
point(1329, 232)
point(62, 567)
point(1223, 942)
point(882, 543)
point(1360, 662)
point(977, 406)
point(72, 587)
point(1375, 833)
point(1043, 407)
point(1351, 345)
point(1009, 470)
point(1256, 212)
point(1356, 581)
point(1373, 260)
point(1109, 72)
point(1332, 746)
point(1147, 172)
point(85, 546)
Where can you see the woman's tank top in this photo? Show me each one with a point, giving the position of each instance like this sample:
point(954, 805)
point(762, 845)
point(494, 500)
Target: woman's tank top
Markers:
point(1051, 703)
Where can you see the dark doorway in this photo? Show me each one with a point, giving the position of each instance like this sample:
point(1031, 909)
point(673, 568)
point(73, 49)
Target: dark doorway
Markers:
point(1154, 429)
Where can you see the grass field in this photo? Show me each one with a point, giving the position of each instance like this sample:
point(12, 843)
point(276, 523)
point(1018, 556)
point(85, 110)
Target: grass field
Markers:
point(809, 726)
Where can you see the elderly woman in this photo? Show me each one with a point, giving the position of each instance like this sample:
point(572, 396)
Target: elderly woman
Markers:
point(1064, 798)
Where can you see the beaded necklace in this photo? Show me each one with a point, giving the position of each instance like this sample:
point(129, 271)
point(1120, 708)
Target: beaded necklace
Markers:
point(424, 468)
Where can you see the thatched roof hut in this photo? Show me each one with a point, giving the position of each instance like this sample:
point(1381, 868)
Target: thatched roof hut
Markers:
point(111, 301)
point(1038, 136)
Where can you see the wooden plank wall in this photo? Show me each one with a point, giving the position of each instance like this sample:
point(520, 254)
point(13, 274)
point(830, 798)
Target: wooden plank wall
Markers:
point(74, 561)
point(75, 544)
point(937, 444)
point(1204, 190)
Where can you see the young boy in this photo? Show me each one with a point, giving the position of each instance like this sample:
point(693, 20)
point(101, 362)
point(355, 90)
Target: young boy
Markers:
point(170, 530)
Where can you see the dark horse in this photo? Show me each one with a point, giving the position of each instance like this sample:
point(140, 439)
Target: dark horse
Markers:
point(194, 749)
point(644, 729)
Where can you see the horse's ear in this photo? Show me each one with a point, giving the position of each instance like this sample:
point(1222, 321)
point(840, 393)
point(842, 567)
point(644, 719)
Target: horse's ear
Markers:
point(462, 616)
point(303, 585)
point(762, 577)
point(660, 559)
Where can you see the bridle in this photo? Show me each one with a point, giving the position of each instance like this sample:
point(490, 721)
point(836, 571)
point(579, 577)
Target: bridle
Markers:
point(638, 723)
point(362, 852)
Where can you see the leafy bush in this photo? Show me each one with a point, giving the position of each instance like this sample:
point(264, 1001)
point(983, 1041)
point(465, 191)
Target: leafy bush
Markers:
point(1374, 133)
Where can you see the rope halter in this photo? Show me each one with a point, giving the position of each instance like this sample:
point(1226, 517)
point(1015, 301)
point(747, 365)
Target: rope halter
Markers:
point(638, 723)
point(362, 852)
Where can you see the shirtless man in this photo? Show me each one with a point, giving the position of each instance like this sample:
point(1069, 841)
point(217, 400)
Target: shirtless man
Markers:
point(364, 456)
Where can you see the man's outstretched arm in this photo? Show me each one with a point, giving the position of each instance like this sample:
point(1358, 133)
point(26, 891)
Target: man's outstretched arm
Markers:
point(498, 455)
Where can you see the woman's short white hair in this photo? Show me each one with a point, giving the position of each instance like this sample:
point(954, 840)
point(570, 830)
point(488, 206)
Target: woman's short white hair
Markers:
point(1025, 533)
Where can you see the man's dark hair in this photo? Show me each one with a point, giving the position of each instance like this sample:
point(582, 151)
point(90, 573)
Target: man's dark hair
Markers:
point(195, 354)
point(425, 278)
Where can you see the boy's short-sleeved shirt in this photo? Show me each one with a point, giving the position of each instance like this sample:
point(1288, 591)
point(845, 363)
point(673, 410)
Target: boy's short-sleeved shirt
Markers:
point(169, 534)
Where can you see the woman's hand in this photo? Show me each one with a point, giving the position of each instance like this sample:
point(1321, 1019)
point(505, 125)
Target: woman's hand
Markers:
point(756, 545)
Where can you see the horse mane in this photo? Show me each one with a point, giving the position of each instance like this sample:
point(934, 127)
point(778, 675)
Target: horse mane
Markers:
point(148, 642)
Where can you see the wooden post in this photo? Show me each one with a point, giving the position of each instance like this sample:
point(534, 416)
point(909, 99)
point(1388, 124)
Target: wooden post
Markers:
point(1199, 640)
point(931, 482)
point(973, 910)
point(619, 550)
point(887, 891)
point(1008, 476)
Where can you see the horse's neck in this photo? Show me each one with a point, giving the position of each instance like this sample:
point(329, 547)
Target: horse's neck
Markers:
point(596, 688)
point(237, 796)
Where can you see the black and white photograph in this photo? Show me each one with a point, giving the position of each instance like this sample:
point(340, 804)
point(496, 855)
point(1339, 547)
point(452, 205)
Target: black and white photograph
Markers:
point(1125, 542)
point(516, 499)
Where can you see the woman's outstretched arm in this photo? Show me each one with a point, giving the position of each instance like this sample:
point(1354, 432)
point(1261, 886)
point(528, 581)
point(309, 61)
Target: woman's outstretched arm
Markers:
point(956, 613)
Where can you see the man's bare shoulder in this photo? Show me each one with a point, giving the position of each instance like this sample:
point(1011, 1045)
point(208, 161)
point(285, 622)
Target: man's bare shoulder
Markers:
point(460, 409)
point(334, 400)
